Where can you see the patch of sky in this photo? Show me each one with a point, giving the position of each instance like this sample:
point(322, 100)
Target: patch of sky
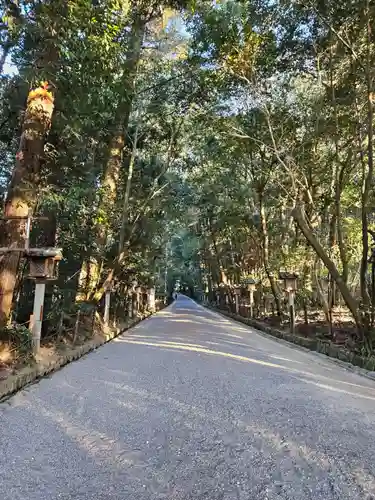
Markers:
point(9, 68)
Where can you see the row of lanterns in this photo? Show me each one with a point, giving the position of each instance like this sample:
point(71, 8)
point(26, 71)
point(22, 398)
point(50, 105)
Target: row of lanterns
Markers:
point(290, 281)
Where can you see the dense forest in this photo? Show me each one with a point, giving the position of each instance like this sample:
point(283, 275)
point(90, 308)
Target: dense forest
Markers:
point(205, 142)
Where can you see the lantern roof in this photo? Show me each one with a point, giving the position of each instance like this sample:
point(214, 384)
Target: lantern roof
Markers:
point(35, 252)
point(284, 275)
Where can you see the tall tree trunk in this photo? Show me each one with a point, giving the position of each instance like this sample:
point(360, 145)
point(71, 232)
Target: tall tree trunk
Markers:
point(340, 232)
point(265, 237)
point(321, 297)
point(117, 143)
point(87, 279)
point(122, 251)
point(118, 140)
point(367, 175)
point(125, 206)
point(22, 190)
point(334, 183)
point(222, 273)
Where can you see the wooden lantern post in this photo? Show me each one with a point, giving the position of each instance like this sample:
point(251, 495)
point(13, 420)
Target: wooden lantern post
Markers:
point(43, 268)
point(130, 302)
point(108, 289)
point(151, 299)
point(237, 293)
point(223, 295)
point(27, 219)
point(251, 288)
point(134, 298)
point(206, 294)
point(138, 292)
point(290, 287)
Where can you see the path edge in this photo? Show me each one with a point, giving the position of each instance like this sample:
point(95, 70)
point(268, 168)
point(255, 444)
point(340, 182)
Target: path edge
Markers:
point(346, 359)
point(30, 374)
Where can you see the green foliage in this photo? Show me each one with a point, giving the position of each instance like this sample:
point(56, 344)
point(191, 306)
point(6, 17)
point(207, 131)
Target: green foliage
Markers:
point(19, 337)
point(239, 111)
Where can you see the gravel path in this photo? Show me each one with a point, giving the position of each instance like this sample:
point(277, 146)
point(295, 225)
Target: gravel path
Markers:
point(189, 405)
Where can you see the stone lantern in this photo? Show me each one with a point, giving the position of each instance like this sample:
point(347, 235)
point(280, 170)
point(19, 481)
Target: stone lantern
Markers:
point(151, 306)
point(108, 289)
point(251, 288)
point(290, 287)
point(237, 294)
point(42, 268)
point(290, 281)
point(223, 296)
point(217, 296)
point(43, 263)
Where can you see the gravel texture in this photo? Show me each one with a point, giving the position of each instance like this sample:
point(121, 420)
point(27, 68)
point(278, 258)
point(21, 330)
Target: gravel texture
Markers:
point(190, 405)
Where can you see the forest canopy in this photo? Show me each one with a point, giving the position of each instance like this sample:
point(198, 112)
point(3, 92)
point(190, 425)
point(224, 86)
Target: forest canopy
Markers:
point(199, 142)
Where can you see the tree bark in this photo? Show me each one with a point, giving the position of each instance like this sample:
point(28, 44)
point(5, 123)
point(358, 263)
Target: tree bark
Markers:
point(334, 184)
point(222, 273)
point(125, 207)
point(367, 176)
point(22, 190)
point(118, 139)
point(116, 146)
point(340, 232)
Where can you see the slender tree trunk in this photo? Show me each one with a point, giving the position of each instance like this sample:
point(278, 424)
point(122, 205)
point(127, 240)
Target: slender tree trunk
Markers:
point(367, 176)
point(22, 190)
point(321, 297)
point(334, 183)
point(87, 279)
point(299, 216)
point(123, 249)
point(222, 274)
point(125, 206)
point(264, 228)
point(340, 232)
